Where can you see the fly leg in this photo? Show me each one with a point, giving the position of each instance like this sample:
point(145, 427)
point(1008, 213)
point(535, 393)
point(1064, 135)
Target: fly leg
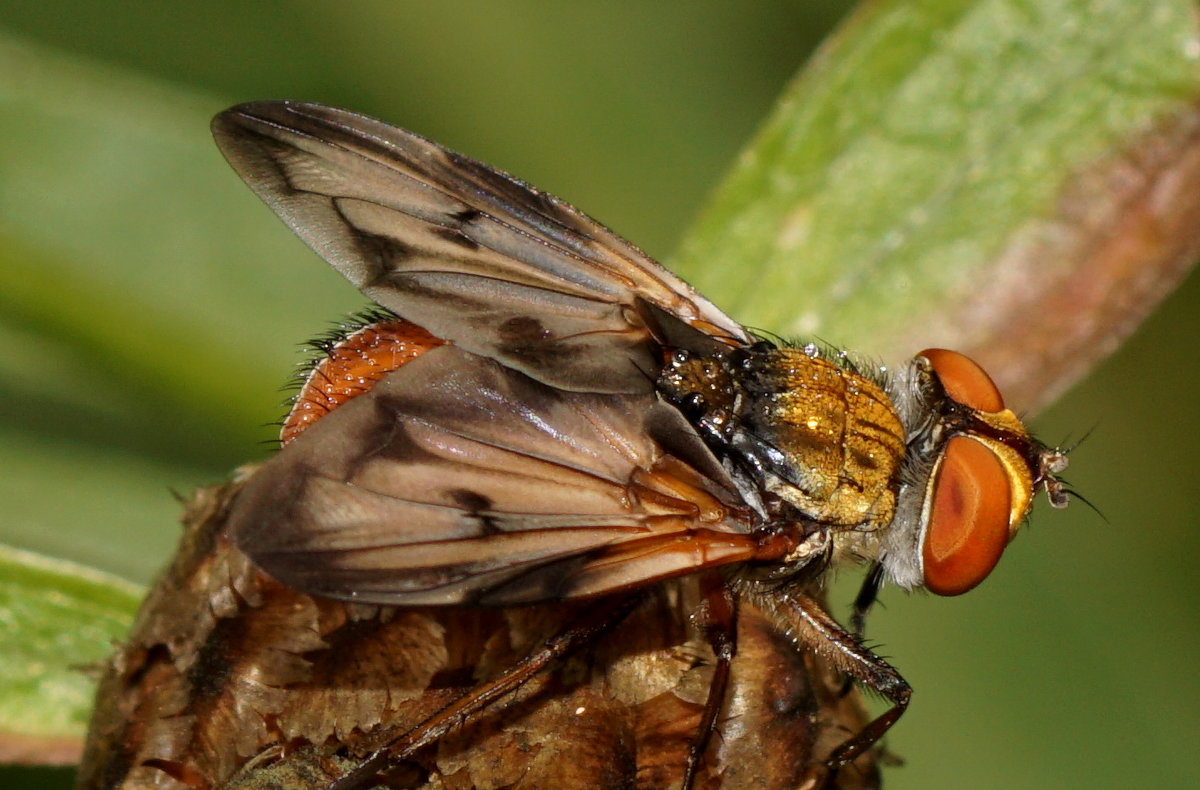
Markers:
point(719, 621)
point(867, 595)
point(605, 615)
point(813, 628)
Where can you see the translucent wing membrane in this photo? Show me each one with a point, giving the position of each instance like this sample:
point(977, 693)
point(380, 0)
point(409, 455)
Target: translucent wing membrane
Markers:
point(470, 254)
point(456, 479)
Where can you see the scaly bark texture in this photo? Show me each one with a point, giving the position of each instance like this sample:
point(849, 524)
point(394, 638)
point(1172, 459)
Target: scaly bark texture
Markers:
point(230, 680)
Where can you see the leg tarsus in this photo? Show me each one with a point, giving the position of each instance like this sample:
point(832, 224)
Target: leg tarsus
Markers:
point(813, 628)
point(868, 593)
point(720, 627)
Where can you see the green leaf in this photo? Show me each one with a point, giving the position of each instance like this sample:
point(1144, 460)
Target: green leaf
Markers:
point(60, 621)
point(150, 310)
point(947, 172)
point(128, 249)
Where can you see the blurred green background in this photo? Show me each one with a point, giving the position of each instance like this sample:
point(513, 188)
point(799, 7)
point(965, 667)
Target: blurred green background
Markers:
point(151, 308)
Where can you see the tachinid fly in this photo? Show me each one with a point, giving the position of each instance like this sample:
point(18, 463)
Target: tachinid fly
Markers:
point(550, 415)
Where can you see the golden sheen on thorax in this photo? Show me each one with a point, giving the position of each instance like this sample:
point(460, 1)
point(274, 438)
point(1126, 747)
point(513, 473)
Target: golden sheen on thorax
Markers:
point(840, 433)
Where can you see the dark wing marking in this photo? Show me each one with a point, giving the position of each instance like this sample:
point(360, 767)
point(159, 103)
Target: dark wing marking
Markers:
point(456, 479)
point(470, 254)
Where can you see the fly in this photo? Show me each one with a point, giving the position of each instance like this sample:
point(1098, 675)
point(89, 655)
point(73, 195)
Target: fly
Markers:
point(546, 414)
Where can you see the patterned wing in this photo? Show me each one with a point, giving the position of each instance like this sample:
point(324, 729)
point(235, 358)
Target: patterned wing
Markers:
point(459, 480)
point(469, 253)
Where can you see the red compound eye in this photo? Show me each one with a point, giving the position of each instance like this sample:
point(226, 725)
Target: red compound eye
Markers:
point(968, 519)
point(964, 380)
